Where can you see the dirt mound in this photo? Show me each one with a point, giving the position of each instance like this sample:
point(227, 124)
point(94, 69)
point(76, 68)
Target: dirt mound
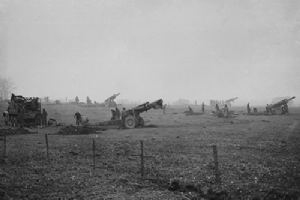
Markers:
point(79, 130)
point(14, 131)
point(187, 113)
point(150, 126)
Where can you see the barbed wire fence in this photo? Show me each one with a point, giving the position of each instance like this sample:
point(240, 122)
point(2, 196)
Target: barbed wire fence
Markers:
point(149, 159)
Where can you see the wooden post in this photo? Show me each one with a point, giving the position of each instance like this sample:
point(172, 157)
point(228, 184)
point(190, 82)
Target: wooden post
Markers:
point(4, 146)
point(142, 159)
point(217, 172)
point(47, 146)
point(94, 154)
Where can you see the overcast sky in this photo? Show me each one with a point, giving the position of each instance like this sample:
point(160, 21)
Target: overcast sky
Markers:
point(149, 49)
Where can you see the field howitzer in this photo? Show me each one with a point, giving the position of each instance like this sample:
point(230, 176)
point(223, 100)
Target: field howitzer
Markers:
point(132, 118)
point(110, 100)
point(280, 104)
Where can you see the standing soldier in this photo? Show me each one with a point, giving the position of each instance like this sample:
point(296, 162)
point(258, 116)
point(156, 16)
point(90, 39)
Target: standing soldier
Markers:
point(248, 108)
point(226, 111)
point(123, 116)
point(217, 107)
point(203, 107)
point(113, 114)
point(44, 117)
point(118, 113)
point(77, 117)
point(123, 113)
point(267, 109)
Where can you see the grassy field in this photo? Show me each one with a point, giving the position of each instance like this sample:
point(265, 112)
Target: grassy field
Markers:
point(259, 156)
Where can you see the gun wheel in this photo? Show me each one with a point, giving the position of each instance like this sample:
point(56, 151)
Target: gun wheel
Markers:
point(129, 122)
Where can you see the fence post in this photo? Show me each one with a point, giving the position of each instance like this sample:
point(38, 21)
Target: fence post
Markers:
point(217, 172)
point(94, 154)
point(47, 146)
point(142, 159)
point(4, 146)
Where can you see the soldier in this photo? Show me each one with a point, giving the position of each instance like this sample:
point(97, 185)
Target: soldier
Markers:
point(118, 113)
point(226, 111)
point(77, 117)
point(255, 110)
point(248, 108)
point(123, 113)
point(44, 117)
point(217, 107)
point(113, 114)
point(203, 107)
point(267, 109)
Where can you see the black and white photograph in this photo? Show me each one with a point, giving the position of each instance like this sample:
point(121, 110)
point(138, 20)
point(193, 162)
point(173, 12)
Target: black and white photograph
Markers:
point(150, 99)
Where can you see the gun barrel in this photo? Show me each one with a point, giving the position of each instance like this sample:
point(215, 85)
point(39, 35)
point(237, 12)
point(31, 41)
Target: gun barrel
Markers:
point(147, 106)
point(111, 97)
point(232, 99)
point(291, 98)
point(282, 102)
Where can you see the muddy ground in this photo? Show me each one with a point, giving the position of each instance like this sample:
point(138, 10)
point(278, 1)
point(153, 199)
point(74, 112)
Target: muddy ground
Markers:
point(259, 158)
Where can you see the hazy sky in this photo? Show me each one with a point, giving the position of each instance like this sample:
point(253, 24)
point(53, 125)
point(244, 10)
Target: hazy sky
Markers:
point(147, 49)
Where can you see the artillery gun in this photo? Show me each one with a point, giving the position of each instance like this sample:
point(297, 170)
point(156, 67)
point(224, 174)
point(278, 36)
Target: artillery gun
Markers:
point(132, 118)
point(279, 105)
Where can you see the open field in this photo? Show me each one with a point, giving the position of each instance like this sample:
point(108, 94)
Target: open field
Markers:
point(259, 156)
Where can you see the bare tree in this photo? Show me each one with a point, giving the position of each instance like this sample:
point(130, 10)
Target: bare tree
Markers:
point(88, 100)
point(6, 87)
point(77, 99)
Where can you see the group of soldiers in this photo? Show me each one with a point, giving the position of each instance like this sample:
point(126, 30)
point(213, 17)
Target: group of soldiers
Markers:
point(190, 110)
point(116, 115)
point(249, 109)
point(224, 111)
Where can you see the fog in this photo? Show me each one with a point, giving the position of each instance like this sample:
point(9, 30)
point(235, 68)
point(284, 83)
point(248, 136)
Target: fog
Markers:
point(196, 50)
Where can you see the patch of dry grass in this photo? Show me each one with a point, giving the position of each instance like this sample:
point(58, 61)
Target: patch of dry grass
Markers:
point(255, 157)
